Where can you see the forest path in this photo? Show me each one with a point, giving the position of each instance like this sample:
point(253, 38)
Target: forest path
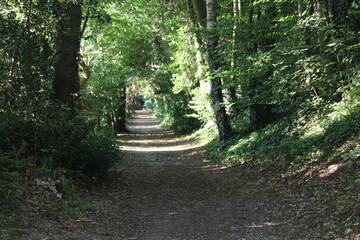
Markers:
point(165, 189)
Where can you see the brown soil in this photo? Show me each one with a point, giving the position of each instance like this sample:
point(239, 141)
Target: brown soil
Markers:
point(165, 189)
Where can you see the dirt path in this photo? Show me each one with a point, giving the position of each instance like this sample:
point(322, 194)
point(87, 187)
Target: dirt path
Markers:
point(166, 190)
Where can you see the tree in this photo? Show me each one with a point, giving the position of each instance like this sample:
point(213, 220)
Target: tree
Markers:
point(260, 110)
point(213, 59)
point(120, 114)
point(66, 80)
point(201, 13)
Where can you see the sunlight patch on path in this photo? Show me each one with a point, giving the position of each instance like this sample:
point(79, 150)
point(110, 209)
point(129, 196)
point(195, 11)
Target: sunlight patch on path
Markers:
point(146, 135)
point(154, 142)
point(266, 224)
point(142, 147)
point(142, 128)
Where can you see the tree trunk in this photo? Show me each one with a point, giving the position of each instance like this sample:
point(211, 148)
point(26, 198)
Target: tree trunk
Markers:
point(251, 12)
point(261, 113)
point(234, 56)
point(120, 122)
point(200, 10)
point(212, 40)
point(198, 38)
point(66, 79)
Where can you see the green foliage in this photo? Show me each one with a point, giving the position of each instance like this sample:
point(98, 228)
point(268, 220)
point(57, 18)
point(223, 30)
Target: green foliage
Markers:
point(352, 155)
point(9, 178)
point(94, 155)
point(200, 103)
point(59, 139)
point(40, 138)
point(293, 141)
point(176, 116)
point(60, 145)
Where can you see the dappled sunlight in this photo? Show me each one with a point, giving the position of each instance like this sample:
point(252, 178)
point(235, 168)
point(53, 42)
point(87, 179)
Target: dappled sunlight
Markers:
point(265, 225)
point(96, 97)
point(322, 170)
point(147, 136)
point(145, 127)
point(330, 170)
point(151, 141)
point(143, 114)
point(211, 167)
point(143, 147)
point(316, 167)
point(143, 122)
point(160, 134)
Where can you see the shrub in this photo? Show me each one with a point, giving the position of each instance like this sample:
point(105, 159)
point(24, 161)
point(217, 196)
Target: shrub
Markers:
point(58, 139)
point(93, 156)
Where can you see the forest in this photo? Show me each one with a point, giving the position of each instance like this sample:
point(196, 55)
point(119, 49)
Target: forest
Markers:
point(271, 86)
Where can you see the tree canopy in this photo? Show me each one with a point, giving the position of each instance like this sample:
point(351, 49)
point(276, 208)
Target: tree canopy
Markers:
point(257, 77)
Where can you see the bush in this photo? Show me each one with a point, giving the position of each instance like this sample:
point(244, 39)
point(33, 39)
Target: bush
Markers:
point(58, 139)
point(93, 156)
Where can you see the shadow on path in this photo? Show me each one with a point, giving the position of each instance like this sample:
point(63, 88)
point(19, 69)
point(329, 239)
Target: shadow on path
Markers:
point(165, 189)
point(175, 193)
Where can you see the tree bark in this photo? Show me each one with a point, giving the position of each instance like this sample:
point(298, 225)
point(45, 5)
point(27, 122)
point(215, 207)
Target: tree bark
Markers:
point(198, 38)
point(66, 79)
point(261, 113)
point(200, 10)
point(120, 121)
point(212, 40)
point(234, 55)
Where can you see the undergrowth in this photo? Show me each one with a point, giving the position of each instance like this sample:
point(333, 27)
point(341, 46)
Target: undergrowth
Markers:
point(56, 144)
point(316, 151)
point(292, 141)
